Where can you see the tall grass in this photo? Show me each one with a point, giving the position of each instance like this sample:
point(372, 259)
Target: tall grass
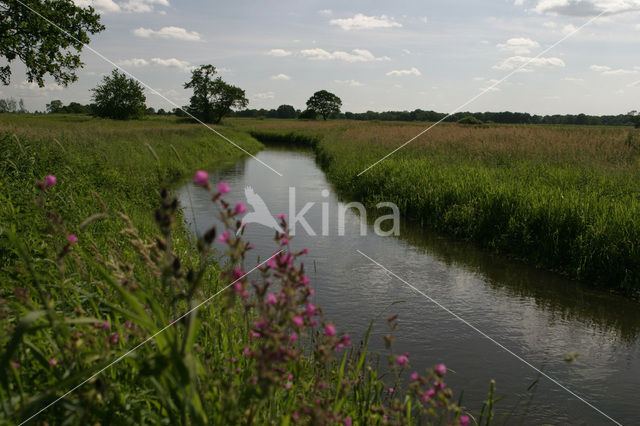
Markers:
point(99, 263)
point(563, 198)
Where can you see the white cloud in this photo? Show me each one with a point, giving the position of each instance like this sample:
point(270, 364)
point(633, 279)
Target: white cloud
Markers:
point(173, 63)
point(492, 87)
point(176, 33)
point(280, 77)
point(635, 84)
point(584, 7)
point(519, 45)
point(111, 6)
point(358, 55)
point(279, 52)
point(606, 70)
point(399, 73)
point(265, 95)
point(352, 83)
point(549, 24)
point(574, 79)
point(518, 61)
point(134, 62)
point(569, 29)
point(102, 6)
point(33, 86)
point(364, 22)
point(326, 12)
point(140, 6)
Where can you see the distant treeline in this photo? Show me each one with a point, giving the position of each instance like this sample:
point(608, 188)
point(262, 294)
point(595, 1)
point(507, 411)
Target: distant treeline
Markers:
point(288, 111)
point(505, 117)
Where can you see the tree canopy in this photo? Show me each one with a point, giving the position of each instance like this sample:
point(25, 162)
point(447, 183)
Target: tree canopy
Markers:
point(324, 103)
point(212, 98)
point(41, 46)
point(119, 97)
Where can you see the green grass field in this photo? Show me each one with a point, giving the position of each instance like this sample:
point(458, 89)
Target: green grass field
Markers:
point(69, 309)
point(565, 198)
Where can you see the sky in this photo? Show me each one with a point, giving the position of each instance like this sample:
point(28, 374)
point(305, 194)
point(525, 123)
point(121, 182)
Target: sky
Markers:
point(375, 55)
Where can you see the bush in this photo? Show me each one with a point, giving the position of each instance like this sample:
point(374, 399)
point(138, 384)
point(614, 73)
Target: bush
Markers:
point(119, 97)
point(469, 119)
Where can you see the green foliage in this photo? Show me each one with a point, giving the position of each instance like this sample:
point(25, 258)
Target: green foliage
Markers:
point(286, 111)
point(42, 47)
point(119, 97)
point(469, 119)
point(324, 103)
point(212, 98)
point(308, 114)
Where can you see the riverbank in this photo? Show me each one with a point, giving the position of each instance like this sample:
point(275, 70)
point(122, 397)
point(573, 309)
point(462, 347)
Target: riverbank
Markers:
point(561, 198)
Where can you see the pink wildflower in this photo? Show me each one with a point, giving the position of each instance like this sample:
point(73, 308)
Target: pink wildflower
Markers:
point(330, 330)
point(271, 299)
point(402, 360)
point(311, 309)
point(298, 321)
point(282, 216)
point(224, 237)
point(49, 181)
point(52, 362)
point(293, 338)
point(296, 416)
point(347, 421)
point(114, 338)
point(390, 390)
point(304, 251)
point(223, 188)
point(464, 420)
point(245, 295)
point(15, 364)
point(237, 273)
point(72, 238)
point(254, 334)
point(427, 396)
point(238, 287)
point(415, 376)
point(201, 178)
point(240, 208)
point(440, 369)
point(106, 325)
point(246, 351)
point(305, 280)
point(284, 241)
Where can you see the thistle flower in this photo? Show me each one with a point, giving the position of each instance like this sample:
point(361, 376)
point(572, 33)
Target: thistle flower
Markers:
point(240, 208)
point(72, 238)
point(402, 360)
point(464, 420)
point(201, 178)
point(223, 188)
point(330, 330)
point(50, 180)
point(440, 369)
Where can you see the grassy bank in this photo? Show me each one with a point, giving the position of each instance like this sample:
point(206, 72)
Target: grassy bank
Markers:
point(99, 263)
point(562, 198)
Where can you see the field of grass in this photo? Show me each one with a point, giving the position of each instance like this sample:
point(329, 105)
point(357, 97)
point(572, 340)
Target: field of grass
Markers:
point(100, 263)
point(565, 198)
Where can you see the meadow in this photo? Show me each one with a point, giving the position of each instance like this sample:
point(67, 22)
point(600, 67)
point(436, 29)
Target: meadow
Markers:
point(109, 311)
point(564, 198)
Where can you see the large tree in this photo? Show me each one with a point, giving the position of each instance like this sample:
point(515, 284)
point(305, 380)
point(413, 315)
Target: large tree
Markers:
point(29, 35)
point(324, 103)
point(212, 98)
point(119, 97)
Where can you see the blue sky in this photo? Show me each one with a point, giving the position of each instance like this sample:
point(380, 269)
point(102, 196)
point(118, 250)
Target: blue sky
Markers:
point(375, 55)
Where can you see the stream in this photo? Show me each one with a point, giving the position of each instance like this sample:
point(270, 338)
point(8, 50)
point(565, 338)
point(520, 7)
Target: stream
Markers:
point(539, 316)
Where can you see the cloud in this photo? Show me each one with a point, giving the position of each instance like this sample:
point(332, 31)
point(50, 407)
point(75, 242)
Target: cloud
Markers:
point(606, 70)
point(141, 6)
point(326, 12)
point(173, 63)
point(574, 79)
point(492, 87)
point(111, 6)
point(279, 52)
point(102, 6)
point(280, 77)
point(358, 55)
point(515, 62)
point(176, 33)
point(265, 95)
point(635, 84)
point(400, 73)
point(584, 8)
point(352, 83)
point(549, 24)
point(569, 29)
point(135, 62)
point(519, 45)
point(33, 86)
point(364, 22)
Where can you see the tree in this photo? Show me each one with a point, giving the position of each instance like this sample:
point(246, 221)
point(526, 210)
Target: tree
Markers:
point(8, 105)
point(307, 114)
point(119, 97)
point(212, 98)
point(324, 103)
point(286, 111)
point(40, 45)
point(54, 107)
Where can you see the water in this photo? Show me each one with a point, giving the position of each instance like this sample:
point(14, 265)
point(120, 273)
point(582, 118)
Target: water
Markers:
point(539, 316)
